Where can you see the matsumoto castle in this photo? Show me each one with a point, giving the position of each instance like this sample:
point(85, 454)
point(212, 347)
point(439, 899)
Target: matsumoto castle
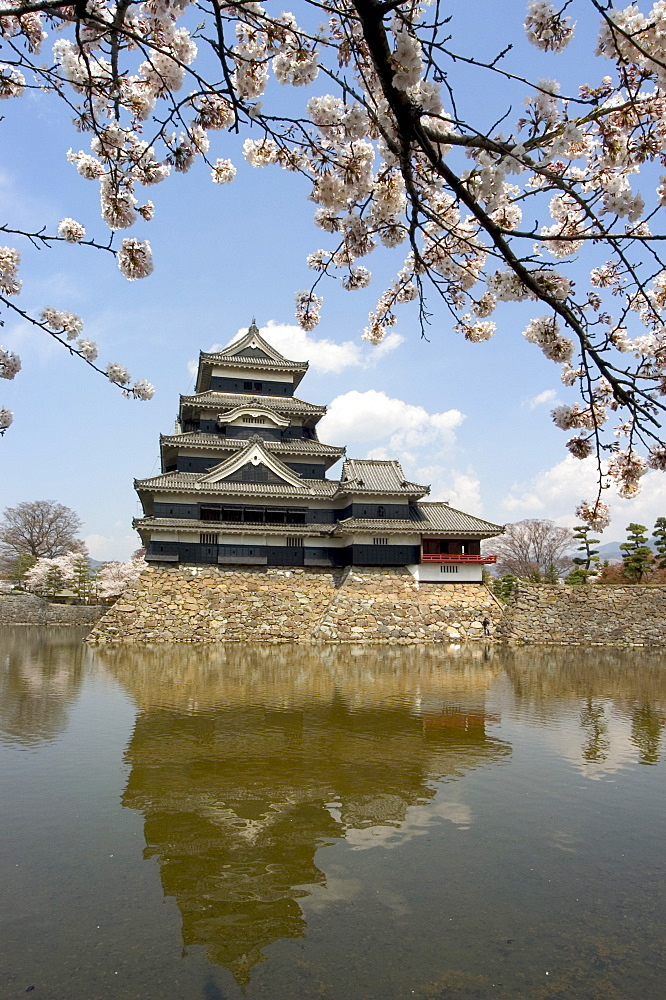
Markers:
point(244, 483)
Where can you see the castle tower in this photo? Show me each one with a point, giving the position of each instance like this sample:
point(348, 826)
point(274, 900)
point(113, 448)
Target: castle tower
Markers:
point(244, 482)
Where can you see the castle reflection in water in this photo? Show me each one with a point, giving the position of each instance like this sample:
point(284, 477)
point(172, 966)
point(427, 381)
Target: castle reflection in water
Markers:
point(245, 761)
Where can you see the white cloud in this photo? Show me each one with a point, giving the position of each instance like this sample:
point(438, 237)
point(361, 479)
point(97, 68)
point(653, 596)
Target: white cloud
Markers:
point(325, 356)
point(107, 548)
point(547, 396)
point(390, 428)
point(461, 490)
point(373, 416)
point(556, 492)
point(418, 821)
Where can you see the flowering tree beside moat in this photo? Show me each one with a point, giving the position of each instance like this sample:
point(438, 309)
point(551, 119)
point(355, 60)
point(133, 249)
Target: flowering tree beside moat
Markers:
point(484, 214)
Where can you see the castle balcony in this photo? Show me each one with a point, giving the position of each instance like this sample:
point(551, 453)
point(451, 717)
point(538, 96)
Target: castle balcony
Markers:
point(445, 557)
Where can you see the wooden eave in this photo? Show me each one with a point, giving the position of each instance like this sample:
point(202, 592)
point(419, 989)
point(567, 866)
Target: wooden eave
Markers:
point(190, 483)
point(207, 362)
point(230, 527)
point(219, 402)
point(387, 526)
point(411, 491)
point(188, 445)
point(256, 454)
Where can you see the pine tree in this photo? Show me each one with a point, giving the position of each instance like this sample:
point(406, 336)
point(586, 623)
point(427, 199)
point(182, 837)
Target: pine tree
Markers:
point(504, 586)
point(589, 556)
point(54, 581)
point(636, 553)
point(83, 585)
point(659, 535)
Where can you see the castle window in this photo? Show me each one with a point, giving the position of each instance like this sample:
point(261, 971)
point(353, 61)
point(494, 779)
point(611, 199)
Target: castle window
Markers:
point(275, 516)
point(210, 513)
point(294, 542)
point(232, 514)
point(207, 538)
point(254, 420)
point(259, 386)
point(380, 541)
point(381, 512)
point(247, 385)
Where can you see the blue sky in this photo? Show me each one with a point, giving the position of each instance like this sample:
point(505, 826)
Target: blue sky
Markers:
point(471, 419)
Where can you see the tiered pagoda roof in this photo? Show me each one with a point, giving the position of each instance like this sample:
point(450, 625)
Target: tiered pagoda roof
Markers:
point(212, 441)
point(244, 482)
point(365, 475)
point(428, 518)
point(288, 405)
point(251, 349)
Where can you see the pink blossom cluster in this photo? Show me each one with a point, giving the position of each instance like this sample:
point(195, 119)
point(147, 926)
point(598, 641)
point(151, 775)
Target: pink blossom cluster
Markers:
point(546, 27)
point(626, 468)
point(388, 162)
point(10, 364)
point(6, 419)
point(596, 514)
point(115, 577)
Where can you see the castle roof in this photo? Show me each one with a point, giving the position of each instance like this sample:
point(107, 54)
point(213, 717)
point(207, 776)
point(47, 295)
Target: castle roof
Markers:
point(289, 446)
point(429, 517)
point(254, 453)
point(192, 482)
point(225, 401)
point(252, 351)
point(244, 527)
point(365, 475)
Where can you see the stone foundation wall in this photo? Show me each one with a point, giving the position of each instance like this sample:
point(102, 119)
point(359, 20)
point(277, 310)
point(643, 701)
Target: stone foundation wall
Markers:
point(28, 609)
point(211, 604)
point(602, 615)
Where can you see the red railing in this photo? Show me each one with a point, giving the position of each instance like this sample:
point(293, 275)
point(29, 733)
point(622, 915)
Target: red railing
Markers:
point(442, 558)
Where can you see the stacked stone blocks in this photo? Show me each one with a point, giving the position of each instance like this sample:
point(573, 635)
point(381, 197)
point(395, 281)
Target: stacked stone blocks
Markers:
point(586, 615)
point(211, 604)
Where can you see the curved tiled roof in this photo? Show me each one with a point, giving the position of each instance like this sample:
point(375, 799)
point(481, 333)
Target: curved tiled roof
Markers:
point(228, 401)
point(191, 482)
point(296, 446)
point(441, 517)
point(430, 517)
point(244, 527)
point(366, 475)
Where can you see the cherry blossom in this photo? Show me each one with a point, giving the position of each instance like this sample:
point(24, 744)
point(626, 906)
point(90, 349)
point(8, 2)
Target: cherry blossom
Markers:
point(71, 231)
point(115, 577)
point(135, 259)
point(116, 373)
point(374, 137)
point(596, 514)
point(223, 171)
point(10, 364)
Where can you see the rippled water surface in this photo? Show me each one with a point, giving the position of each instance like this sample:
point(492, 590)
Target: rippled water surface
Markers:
point(330, 822)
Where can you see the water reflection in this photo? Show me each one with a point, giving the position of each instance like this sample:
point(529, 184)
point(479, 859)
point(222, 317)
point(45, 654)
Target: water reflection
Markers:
point(245, 761)
point(40, 675)
point(609, 685)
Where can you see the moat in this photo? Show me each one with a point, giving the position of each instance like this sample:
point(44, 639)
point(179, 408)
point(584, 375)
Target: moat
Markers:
point(339, 821)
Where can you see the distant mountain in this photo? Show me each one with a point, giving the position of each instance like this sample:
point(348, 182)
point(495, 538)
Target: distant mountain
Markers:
point(610, 551)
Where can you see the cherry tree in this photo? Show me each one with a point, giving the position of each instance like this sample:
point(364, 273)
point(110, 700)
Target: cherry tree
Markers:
point(52, 575)
point(558, 207)
point(115, 577)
